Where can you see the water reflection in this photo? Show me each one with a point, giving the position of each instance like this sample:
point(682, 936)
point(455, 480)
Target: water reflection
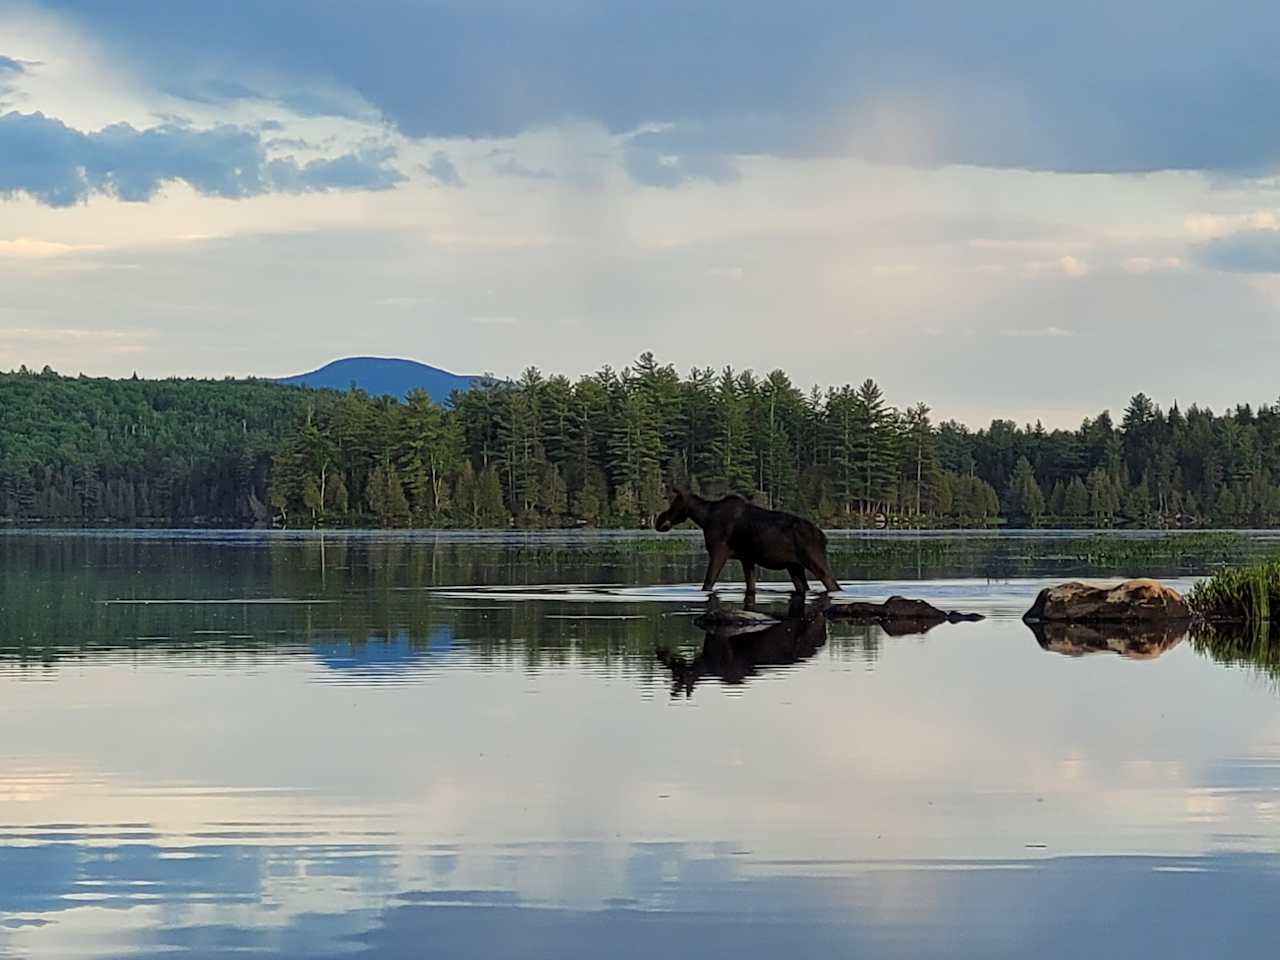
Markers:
point(733, 655)
point(469, 750)
point(1132, 641)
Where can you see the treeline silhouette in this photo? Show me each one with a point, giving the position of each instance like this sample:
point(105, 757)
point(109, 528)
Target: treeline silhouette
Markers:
point(603, 451)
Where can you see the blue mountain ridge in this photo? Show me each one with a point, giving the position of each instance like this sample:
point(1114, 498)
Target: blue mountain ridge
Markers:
point(380, 376)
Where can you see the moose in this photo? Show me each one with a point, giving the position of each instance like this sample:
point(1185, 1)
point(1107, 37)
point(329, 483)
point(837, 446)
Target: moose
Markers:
point(735, 529)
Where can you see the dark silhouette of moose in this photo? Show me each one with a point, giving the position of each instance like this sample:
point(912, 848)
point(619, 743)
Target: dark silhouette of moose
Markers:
point(733, 529)
point(734, 657)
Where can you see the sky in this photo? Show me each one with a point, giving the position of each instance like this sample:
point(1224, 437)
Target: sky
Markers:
point(1015, 209)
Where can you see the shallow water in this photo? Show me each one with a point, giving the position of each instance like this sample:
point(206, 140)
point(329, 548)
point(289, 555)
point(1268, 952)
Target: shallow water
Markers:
point(466, 746)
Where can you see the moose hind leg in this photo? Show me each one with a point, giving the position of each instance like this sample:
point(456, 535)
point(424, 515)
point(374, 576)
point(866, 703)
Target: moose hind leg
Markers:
point(823, 573)
point(749, 574)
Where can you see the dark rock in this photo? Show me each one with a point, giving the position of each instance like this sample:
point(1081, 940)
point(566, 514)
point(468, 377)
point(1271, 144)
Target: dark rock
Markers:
point(897, 610)
point(1131, 601)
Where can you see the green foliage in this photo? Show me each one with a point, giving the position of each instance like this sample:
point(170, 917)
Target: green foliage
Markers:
point(82, 450)
point(603, 451)
point(1244, 595)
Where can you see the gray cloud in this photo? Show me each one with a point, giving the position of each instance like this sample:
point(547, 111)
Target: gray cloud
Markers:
point(60, 166)
point(1250, 251)
point(10, 69)
point(653, 168)
point(367, 169)
point(442, 170)
point(509, 166)
point(1140, 86)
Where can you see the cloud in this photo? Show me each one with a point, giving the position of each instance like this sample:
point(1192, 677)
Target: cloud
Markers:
point(60, 166)
point(10, 69)
point(1142, 265)
point(1249, 251)
point(654, 169)
point(1049, 332)
point(1073, 266)
point(368, 169)
point(1135, 87)
point(25, 248)
point(442, 170)
point(509, 166)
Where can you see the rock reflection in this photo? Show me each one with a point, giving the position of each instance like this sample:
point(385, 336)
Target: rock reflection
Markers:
point(1131, 641)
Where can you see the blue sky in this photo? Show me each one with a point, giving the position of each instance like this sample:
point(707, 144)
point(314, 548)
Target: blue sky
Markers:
point(1019, 208)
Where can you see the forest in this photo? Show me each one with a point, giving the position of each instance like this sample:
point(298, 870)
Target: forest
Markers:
point(603, 451)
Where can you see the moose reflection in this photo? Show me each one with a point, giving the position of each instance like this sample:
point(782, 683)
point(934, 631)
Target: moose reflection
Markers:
point(734, 654)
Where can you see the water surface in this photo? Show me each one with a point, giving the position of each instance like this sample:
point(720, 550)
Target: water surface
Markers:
point(467, 746)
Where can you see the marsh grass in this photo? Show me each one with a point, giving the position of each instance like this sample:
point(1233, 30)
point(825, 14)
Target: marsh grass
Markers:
point(1240, 595)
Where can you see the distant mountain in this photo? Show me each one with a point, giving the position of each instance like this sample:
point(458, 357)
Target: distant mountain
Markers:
point(379, 376)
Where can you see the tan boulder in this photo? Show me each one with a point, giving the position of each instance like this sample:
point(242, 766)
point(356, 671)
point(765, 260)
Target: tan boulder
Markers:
point(1133, 600)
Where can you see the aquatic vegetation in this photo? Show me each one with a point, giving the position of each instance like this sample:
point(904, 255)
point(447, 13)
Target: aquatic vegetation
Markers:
point(1244, 595)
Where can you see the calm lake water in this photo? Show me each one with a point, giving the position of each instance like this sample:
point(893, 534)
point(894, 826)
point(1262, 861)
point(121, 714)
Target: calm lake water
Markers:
point(466, 746)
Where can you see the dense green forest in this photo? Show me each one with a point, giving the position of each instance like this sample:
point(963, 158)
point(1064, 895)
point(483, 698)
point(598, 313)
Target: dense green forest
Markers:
point(603, 451)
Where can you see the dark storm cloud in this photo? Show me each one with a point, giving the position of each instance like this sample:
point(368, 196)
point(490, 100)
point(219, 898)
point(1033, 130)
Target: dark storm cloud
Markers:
point(1091, 87)
point(60, 166)
point(1250, 251)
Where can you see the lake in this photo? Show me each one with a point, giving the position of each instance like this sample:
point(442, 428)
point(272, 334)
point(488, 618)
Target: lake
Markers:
point(406, 745)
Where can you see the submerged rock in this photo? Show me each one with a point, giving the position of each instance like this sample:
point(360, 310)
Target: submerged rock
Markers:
point(896, 615)
point(1134, 641)
point(1132, 600)
point(897, 610)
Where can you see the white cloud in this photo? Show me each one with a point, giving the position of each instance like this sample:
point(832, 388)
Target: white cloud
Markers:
point(26, 248)
point(1051, 332)
point(1072, 266)
point(1205, 226)
point(1142, 265)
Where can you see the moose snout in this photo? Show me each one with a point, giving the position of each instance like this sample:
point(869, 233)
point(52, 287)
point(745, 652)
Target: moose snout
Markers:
point(662, 524)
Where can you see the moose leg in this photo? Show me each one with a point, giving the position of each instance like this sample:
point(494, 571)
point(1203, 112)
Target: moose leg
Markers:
point(749, 573)
point(820, 568)
point(797, 578)
point(823, 573)
point(715, 563)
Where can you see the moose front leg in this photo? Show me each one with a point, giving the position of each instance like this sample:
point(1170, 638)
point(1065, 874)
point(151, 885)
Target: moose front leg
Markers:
point(715, 563)
point(798, 580)
point(749, 574)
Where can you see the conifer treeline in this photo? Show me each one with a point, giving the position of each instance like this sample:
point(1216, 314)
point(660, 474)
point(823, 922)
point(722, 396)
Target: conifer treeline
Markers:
point(603, 451)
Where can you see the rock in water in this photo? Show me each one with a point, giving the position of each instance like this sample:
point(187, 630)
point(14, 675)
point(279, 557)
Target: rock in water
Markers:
point(897, 616)
point(1133, 600)
point(897, 608)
